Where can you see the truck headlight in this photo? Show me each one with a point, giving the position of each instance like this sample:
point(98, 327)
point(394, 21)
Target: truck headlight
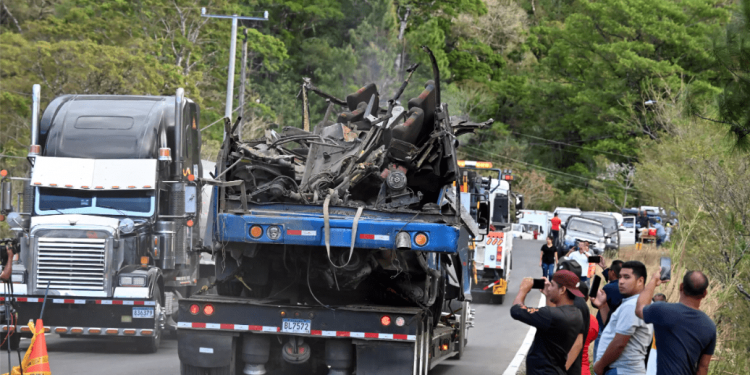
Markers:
point(132, 281)
point(127, 225)
point(273, 232)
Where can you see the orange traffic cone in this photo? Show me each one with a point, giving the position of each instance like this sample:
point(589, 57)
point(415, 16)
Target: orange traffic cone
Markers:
point(38, 360)
point(35, 361)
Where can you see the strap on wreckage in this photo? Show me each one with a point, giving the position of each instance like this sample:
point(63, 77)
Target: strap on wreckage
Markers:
point(327, 230)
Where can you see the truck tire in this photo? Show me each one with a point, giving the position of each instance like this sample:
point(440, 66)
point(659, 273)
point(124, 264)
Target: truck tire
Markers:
point(151, 344)
point(186, 369)
point(14, 340)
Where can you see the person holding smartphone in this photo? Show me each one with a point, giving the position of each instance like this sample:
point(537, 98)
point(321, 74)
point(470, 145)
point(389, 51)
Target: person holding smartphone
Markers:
point(548, 258)
point(685, 335)
point(557, 325)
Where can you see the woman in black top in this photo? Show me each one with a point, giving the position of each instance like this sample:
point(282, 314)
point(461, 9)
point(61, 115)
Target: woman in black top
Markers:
point(548, 258)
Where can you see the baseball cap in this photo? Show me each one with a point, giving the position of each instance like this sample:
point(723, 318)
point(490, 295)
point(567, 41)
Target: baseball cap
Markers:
point(569, 280)
point(570, 265)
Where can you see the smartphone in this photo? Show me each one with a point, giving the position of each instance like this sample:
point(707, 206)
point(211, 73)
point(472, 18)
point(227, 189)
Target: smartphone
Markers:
point(595, 286)
point(595, 259)
point(539, 283)
point(666, 268)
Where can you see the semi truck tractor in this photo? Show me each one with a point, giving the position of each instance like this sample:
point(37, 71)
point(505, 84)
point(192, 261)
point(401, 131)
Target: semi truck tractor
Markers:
point(337, 250)
point(109, 228)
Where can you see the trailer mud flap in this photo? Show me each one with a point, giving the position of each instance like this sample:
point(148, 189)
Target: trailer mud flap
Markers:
point(204, 349)
point(370, 355)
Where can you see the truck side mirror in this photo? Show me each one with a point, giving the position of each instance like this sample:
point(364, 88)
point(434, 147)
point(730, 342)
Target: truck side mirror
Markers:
point(519, 206)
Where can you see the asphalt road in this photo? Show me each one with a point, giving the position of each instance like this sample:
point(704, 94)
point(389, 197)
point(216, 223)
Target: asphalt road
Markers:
point(493, 341)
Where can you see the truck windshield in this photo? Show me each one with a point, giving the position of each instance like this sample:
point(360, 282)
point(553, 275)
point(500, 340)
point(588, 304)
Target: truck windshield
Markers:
point(52, 201)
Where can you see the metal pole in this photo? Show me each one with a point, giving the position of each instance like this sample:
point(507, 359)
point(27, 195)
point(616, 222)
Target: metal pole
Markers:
point(35, 97)
point(242, 83)
point(230, 76)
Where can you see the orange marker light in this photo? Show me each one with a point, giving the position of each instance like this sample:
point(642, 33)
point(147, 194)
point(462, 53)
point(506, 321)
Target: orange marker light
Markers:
point(94, 331)
point(208, 310)
point(256, 231)
point(3, 173)
point(144, 261)
point(191, 177)
point(113, 331)
point(190, 223)
point(420, 239)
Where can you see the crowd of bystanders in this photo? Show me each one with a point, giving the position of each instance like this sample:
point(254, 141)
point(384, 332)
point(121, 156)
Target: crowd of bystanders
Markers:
point(626, 326)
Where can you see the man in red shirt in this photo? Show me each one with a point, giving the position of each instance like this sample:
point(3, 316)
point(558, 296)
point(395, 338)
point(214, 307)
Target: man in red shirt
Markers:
point(555, 227)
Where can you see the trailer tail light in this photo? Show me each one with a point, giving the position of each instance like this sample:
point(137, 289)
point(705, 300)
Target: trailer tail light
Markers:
point(147, 332)
point(256, 231)
point(195, 309)
point(61, 330)
point(385, 320)
point(400, 321)
point(420, 239)
point(25, 329)
point(208, 310)
point(128, 332)
point(444, 347)
point(94, 331)
point(76, 330)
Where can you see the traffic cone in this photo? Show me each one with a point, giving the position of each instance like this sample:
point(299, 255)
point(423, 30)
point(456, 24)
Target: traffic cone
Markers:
point(35, 361)
point(38, 363)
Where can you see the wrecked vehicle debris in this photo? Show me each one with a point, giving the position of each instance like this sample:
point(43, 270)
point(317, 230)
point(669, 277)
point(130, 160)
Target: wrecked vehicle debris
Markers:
point(380, 158)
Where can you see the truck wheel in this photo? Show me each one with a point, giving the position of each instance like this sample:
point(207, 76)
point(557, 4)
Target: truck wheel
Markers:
point(186, 369)
point(151, 344)
point(13, 341)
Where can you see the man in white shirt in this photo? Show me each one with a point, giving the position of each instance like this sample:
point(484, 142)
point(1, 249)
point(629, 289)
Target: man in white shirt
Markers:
point(626, 339)
point(581, 255)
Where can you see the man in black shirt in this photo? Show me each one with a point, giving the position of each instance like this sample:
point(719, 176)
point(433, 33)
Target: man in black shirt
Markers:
point(575, 356)
point(557, 327)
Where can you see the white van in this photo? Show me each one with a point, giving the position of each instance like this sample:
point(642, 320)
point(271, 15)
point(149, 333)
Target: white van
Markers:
point(538, 218)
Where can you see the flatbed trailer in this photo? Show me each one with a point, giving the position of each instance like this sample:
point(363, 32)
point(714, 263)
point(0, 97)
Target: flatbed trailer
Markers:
point(221, 334)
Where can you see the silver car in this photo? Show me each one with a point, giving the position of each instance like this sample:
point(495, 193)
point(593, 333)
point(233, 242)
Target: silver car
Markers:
point(579, 228)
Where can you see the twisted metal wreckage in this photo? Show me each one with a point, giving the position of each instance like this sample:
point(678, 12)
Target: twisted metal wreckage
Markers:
point(395, 160)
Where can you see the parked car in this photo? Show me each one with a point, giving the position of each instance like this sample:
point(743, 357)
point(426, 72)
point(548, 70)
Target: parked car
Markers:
point(611, 229)
point(579, 228)
point(564, 213)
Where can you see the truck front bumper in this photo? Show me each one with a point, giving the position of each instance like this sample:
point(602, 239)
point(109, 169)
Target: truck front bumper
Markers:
point(87, 316)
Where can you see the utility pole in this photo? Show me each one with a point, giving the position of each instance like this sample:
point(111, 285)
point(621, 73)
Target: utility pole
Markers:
point(242, 84)
point(230, 77)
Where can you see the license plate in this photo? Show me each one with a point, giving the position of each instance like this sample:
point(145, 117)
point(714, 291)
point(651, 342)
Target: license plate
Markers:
point(295, 326)
point(143, 312)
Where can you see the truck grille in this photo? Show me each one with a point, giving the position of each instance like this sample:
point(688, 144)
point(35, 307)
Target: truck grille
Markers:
point(71, 263)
